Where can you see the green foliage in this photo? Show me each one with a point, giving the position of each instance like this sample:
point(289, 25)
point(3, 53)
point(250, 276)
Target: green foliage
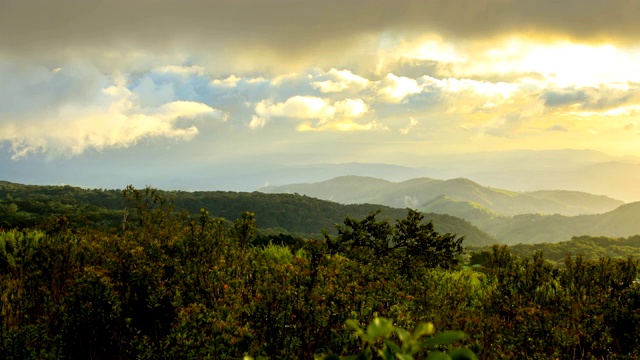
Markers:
point(295, 215)
point(378, 344)
point(410, 242)
point(244, 228)
point(278, 253)
point(170, 286)
point(278, 239)
point(538, 228)
point(589, 247)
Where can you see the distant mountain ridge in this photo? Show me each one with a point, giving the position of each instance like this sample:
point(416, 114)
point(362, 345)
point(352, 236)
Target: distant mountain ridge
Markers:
point(516, 170)
point(510, 217)
point(530, 229)
point(421, 192)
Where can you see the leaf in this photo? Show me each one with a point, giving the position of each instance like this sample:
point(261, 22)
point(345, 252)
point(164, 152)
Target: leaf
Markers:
point(393, 346)
point(332, 357)
point(404, 356)
point(462, 354)
point(380, 327)
point(424, 329)
point(404, 335)
point(438, 355)
point(386, 353)
point(357, 329)
point(445, 338)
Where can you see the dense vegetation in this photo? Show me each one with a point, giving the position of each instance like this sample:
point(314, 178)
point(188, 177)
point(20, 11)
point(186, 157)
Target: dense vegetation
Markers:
point(165, 284)
point(589, 247)
point(537, 228)
point(296, 215)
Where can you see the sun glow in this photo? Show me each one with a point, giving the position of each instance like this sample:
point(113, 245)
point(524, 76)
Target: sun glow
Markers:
point(562, 63)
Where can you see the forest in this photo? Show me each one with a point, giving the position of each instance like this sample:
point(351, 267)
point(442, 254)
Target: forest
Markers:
point(292, 214)
point(136, 274)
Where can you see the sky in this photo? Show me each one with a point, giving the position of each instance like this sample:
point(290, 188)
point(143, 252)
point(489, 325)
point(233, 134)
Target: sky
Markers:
point(143, 86)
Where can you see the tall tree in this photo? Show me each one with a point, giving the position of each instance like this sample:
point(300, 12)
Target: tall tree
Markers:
point(411, 241)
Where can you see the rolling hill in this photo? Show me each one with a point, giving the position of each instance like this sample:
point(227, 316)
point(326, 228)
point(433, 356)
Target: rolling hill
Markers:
point(529, 229)
point(510, 217)
point(421, 192)
point(25, 205)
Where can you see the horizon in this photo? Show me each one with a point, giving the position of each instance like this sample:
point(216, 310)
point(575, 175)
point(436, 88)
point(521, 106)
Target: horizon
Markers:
point(505, 173)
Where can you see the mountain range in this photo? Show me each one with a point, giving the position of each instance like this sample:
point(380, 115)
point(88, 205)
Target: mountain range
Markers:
point(450, 196)
point(509, 216)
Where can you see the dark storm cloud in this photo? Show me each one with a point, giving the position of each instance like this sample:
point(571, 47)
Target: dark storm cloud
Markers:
point(293, 27)
point(590, 98)
point(562, 98)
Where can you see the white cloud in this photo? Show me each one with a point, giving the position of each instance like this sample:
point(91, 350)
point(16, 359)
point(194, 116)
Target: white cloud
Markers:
point(341, 80)
point(187, 109)
point(182, 69)
point(351, 107)
point(231, 81)
point(412, 123)
point(396, 89)
point(257, 122)
point(299, 107)
point(327, 115)
point(114, 120)
point(341, 125)
point(483, 88)
point(284, 78)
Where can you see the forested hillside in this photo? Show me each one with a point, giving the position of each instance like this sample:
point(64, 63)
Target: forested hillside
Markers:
point(532, 228)
point(538, 214)
point(589, 247)
point(26, 205)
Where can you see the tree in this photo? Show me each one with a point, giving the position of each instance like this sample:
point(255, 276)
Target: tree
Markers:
point(423, 246)
point(411, 241)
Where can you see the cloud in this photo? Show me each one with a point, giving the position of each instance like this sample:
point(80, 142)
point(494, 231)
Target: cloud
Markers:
point(484, 88)
point(396, 89)
point(289, 24)
point(182, 69)
point(299, 107)
point(507, 125)
point(351, 108)
point(601, 98)
point(480, 64)
point(28, 90)
point(341, 80)
point(412, 123)
point(561, 98)
point(229, 82)
point(341, 125)
point(326, 115)
point(286, 34)
point(557, 128)
point(468, 96)
point(258, 122)
point(113, 118)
